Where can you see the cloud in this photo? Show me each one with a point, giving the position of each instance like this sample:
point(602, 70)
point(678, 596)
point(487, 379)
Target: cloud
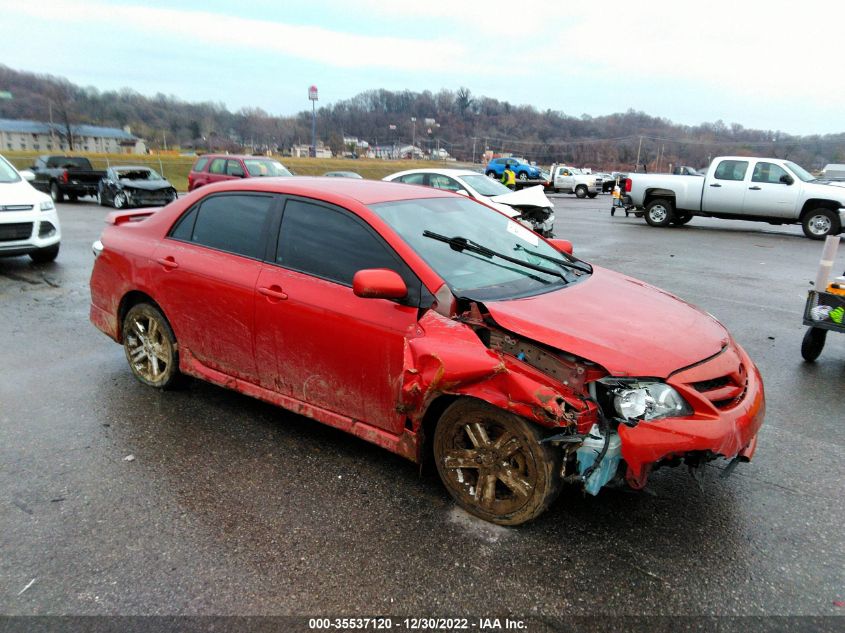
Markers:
point(317, 44)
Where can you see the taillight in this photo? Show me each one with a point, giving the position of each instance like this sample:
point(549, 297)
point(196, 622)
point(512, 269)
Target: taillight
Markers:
point(627, 185)
point(64, 176)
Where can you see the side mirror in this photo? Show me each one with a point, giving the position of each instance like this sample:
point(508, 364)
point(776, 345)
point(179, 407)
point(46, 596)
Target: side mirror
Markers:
point(379, 283)
point(27, 175)
point(463, 192)
point(564, 246)
point(787, 179)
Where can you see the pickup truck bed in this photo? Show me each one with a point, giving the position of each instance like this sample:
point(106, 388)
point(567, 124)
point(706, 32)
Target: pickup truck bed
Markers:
point(70, 176)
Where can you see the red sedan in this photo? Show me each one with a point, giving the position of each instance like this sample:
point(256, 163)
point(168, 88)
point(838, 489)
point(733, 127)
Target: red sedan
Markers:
point(430, 325)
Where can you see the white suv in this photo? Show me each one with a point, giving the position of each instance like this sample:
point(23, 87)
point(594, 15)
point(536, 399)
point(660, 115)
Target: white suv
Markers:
point(29, 224)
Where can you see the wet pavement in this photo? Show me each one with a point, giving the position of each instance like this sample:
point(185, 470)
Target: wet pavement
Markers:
point(118, 499)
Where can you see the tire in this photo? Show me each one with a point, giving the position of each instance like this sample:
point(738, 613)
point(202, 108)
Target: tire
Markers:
point(119, 200)
point(681, 218)
point(476, 442)
point(150, 347)
point(56, 193)
point(813, 343)
point(819, 223)
point(492, 174)
point(101, 199)
point(45, 255)
point(659, 212)
point(581, 191)
point(522, 176)
point(592, 195)
point(556, 190)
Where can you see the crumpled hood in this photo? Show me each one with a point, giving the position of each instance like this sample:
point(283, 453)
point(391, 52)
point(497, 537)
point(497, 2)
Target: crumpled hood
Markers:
point(146, 185)
point(530, 197)
point(20, 192)
point(625, 325)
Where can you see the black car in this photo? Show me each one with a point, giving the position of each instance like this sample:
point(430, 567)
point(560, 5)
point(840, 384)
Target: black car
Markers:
point(135, 186)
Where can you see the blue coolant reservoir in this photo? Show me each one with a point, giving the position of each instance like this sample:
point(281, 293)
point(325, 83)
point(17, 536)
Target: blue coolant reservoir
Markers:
point(589, 451)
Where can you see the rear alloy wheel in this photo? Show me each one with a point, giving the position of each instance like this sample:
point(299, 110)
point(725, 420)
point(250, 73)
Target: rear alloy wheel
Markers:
point(580, 191)
point(659, 212)
point(491, 174)
point(45, 255)
point(522, 175)
point(813, 343)
point(150, 347)
point(819, 223)
point(56, 193)
point(493, 464)
point(119, 200)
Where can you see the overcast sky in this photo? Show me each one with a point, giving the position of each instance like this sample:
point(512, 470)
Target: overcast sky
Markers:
point(764, 64)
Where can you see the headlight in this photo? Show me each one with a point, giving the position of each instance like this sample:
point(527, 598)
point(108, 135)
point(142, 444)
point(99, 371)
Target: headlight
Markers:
point(647, 401)
point(47, 205)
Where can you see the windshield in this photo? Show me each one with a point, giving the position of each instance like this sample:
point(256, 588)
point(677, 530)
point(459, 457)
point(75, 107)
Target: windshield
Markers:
point(7, 172)
point(264, 167)
point(137, 173)
point(472, 274)
point(799, 171)
point(485, 186)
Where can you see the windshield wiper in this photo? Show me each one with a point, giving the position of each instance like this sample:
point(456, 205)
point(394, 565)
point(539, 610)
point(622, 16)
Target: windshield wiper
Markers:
point(577, 265)
point(461, 244)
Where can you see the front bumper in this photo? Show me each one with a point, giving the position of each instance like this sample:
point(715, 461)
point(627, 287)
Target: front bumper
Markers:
point(142, 198)
point(842, 219)
point(728, 432)
point(22, 233)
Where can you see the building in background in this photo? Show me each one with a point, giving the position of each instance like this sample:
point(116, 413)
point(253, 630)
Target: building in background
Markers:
point(37, 136)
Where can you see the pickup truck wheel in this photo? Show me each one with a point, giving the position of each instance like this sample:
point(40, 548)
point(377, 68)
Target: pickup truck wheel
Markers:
point(592, 195)
point(681, 218)
point(813, 343)
point(493, 464)
point(523, 175)
point(819, 223)
point(659, 212)
point(580, 191)
point(56, 193)
point(119, 200)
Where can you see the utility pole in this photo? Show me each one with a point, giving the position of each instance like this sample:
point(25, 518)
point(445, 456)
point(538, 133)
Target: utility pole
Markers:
point(312, 95)
point(473, 149)
point(637, 166)
point(413, 137)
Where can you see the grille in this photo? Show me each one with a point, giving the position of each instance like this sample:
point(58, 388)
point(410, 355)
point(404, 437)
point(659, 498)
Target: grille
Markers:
point(16, 207)
point(18, 231)
point(724, 391)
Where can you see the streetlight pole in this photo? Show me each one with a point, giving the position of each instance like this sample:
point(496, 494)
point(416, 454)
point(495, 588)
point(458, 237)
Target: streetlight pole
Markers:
point(312, 96)
point(413, 137)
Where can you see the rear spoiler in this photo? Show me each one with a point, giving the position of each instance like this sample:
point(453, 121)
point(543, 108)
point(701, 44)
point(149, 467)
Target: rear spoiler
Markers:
point(137, 215)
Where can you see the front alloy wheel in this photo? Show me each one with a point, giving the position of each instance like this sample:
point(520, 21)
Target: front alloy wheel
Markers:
point(493, 464)
point(119, 201)
point(150, 346)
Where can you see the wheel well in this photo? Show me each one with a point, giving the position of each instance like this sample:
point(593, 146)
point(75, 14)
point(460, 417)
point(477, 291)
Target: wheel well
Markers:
point(651, 194)
point(815, 203)
point(129, 300)
point(429, 421)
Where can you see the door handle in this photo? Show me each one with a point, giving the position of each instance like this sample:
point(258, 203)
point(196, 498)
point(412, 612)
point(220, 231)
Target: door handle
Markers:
point(273, 292)
point(168, 262)
point(755, 188)
point(715, 184)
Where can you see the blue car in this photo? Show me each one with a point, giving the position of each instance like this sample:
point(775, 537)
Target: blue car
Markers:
point(522, 169)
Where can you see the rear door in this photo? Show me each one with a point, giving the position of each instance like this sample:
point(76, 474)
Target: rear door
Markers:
point(207, 269)
point(725, 190)
point(770, 193)
point(217, 171)
point(317, 341)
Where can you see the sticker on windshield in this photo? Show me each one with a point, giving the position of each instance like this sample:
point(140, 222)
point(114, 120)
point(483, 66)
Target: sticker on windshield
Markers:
point(522, 233)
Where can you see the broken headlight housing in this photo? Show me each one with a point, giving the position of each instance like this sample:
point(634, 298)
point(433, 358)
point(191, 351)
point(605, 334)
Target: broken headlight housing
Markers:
point(645, 400)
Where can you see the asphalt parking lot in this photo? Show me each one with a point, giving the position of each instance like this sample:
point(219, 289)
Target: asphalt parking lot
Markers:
point(231, 506)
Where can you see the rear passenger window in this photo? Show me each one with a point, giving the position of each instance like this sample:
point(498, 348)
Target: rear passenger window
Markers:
point(200, 164)
point(413, 179)
point(731, 170)
point(232, 223)
point(328, 243)
point(218, 166)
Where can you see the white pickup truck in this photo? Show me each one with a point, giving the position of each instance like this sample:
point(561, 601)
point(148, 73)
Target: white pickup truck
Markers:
point(742, 188)
point(573, 180)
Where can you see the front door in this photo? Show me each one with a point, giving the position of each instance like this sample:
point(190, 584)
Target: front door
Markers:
point(725, 191)
point(317, 341)
point(772, 192)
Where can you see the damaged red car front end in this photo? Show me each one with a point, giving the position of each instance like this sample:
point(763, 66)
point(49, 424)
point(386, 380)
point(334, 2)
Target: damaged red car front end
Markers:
point(430, 325)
